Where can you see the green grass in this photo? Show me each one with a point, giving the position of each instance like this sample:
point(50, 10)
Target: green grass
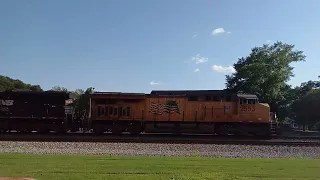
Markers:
point(51, 167)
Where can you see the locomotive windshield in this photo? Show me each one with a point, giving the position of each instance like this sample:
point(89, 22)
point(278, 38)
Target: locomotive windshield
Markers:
point(247, 99)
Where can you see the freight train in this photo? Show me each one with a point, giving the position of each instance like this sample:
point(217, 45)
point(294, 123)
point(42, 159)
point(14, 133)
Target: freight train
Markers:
point(188, 111)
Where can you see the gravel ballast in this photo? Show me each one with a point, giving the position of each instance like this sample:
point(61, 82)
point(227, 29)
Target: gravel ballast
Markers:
point(148, 149)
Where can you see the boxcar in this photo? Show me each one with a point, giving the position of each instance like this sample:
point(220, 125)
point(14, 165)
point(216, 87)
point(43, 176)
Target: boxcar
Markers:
point(34, 111)
point(192, 111)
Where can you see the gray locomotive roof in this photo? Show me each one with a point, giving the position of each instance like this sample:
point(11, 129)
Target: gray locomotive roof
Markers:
point(247, 96)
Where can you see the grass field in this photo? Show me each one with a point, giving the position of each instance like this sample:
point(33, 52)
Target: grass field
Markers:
point(54, 167)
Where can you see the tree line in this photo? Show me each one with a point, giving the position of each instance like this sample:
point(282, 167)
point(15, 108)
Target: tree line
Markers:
point(264, 72)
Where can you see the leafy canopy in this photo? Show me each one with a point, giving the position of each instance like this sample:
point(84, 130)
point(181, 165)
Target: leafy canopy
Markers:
point(306, 109)
point(9, 84)
point(265, 73)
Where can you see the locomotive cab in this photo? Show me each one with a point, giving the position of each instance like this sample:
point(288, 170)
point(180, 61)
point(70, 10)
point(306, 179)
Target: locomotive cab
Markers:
point(253, 114)
point(247, 103)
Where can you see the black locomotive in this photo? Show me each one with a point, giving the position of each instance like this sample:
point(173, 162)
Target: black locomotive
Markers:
point(36, 111)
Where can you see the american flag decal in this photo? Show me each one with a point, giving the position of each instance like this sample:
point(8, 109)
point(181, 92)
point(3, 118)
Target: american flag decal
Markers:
point(156, 108)
point(169, 107)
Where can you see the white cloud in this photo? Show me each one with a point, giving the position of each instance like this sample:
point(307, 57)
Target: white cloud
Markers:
point(225, 69)
point(153, 83)
point(199, 59)
point(194, 36)
point(268, 41)
point(218, 31)
point(196, 70)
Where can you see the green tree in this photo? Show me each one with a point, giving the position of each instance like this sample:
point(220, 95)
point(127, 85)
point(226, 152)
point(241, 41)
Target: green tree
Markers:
point(81, 104)
point(58, 88)
point(306, 109)
point(35, 88)
point(306, 87)
point(265, 73)
point(9, 84)
point(305, 95)
point(6, 84)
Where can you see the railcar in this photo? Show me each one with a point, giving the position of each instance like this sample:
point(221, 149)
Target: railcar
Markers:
point(27, 111)
point(190, 111)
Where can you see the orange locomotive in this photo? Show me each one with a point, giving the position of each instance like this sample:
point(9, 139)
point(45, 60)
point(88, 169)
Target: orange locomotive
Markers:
point(190, 111)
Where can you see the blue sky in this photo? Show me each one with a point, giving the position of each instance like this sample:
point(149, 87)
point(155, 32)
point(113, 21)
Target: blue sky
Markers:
point(137, 46)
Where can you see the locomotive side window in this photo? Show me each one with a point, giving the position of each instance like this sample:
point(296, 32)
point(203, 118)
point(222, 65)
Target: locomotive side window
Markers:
point(102, 111)
point(106, 111)
point(120, 111)
point(248, 101)
point(124, 112)
point(99, 109)
point(115, 111)
point(228, 98)
point(110, 110)
point(251, 101)
point(128, 111)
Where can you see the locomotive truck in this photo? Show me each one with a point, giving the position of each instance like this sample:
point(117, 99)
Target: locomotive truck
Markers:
point(190, 111)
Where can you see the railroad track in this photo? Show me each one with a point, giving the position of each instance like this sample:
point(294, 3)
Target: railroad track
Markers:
point(156, 138)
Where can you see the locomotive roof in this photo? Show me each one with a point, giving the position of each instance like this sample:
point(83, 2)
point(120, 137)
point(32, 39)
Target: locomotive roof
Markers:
point(203, 93)
point(35, 92)
point(187, 93)
point(119, 93)
point(191, 92)
point(28, 93)
point(247, 96)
